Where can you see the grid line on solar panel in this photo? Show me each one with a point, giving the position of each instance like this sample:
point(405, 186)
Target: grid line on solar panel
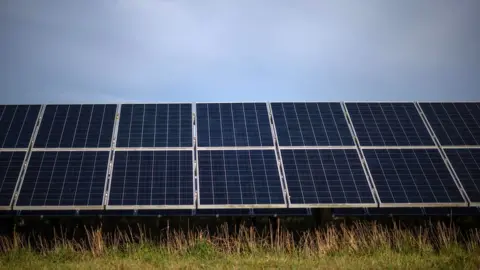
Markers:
point(155, 125)
point(243, 178)
point(152, 179)
point(319, 177)
point(64, 180)
point(466, 164)
point(388, 124)
point(76, 126)
point(311, 124)
point(454, 123)
point(17, 123)
point(233, 124)
point(412, 176)
point(11, 164)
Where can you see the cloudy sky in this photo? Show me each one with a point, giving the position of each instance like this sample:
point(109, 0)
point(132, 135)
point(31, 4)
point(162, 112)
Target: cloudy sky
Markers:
point(225, 50)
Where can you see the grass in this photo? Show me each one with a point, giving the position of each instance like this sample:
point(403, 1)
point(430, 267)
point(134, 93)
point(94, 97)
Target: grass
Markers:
point(359, 246)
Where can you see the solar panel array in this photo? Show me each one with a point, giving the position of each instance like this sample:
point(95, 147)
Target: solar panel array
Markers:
point(155, 157)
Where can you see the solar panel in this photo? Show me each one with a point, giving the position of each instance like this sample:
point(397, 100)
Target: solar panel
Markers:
point(10, 166)
point(412, 176)
point(466, 163)
point(454, 123)
point(16, 125)
point(244, 178)
point(155, 125)
point(311, 124)
point(389, 124)
point(152, 179)
point(233, 124)
point(76, 126)
point(325, 177)
point(67, 180)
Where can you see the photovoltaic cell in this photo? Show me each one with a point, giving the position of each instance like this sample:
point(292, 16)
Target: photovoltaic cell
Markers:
point(152, 178)
point(155, 125)
point(70, 178)
point(10, 165)
point(326, 177)
point(311, 124)
point(245, 177)
point(76, 126)
point(233, 124)
point(466, 163)
point(388, 124)
point(454, 123)
point(16, 125)
point(411, 176)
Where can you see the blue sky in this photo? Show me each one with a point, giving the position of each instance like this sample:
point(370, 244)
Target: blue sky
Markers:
point(170, 51)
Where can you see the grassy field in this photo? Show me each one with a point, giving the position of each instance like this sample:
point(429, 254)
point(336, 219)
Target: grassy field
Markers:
point(360, 246)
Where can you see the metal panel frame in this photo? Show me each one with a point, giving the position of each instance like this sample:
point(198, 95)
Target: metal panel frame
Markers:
point(26, 160)
point(141, 149)
point(237, 148)
point(111, 157)
point(70, 149)
point(273, 130)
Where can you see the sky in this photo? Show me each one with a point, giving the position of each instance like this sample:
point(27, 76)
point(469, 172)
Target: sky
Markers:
point(97, 51)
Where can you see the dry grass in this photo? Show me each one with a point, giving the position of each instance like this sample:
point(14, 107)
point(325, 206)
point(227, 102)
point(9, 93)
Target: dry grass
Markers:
point(361, 245)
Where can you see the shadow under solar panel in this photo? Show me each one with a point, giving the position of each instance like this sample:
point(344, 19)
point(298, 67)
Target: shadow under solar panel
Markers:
point(17, 123)
point(240, 179)
point(418, 177)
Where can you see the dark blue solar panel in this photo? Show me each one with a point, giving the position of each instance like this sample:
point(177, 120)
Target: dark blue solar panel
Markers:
point(64, 179)
point(325, 177)
point(155, 125)
point(152, 178)
point(76, 126)
point(16, 125)
point(390, 124)
point(10, 166)
point(311, 124)
point(233, 124)
point(466, 163)
point(454, 123)
point(239, 178)
point(412, 176)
